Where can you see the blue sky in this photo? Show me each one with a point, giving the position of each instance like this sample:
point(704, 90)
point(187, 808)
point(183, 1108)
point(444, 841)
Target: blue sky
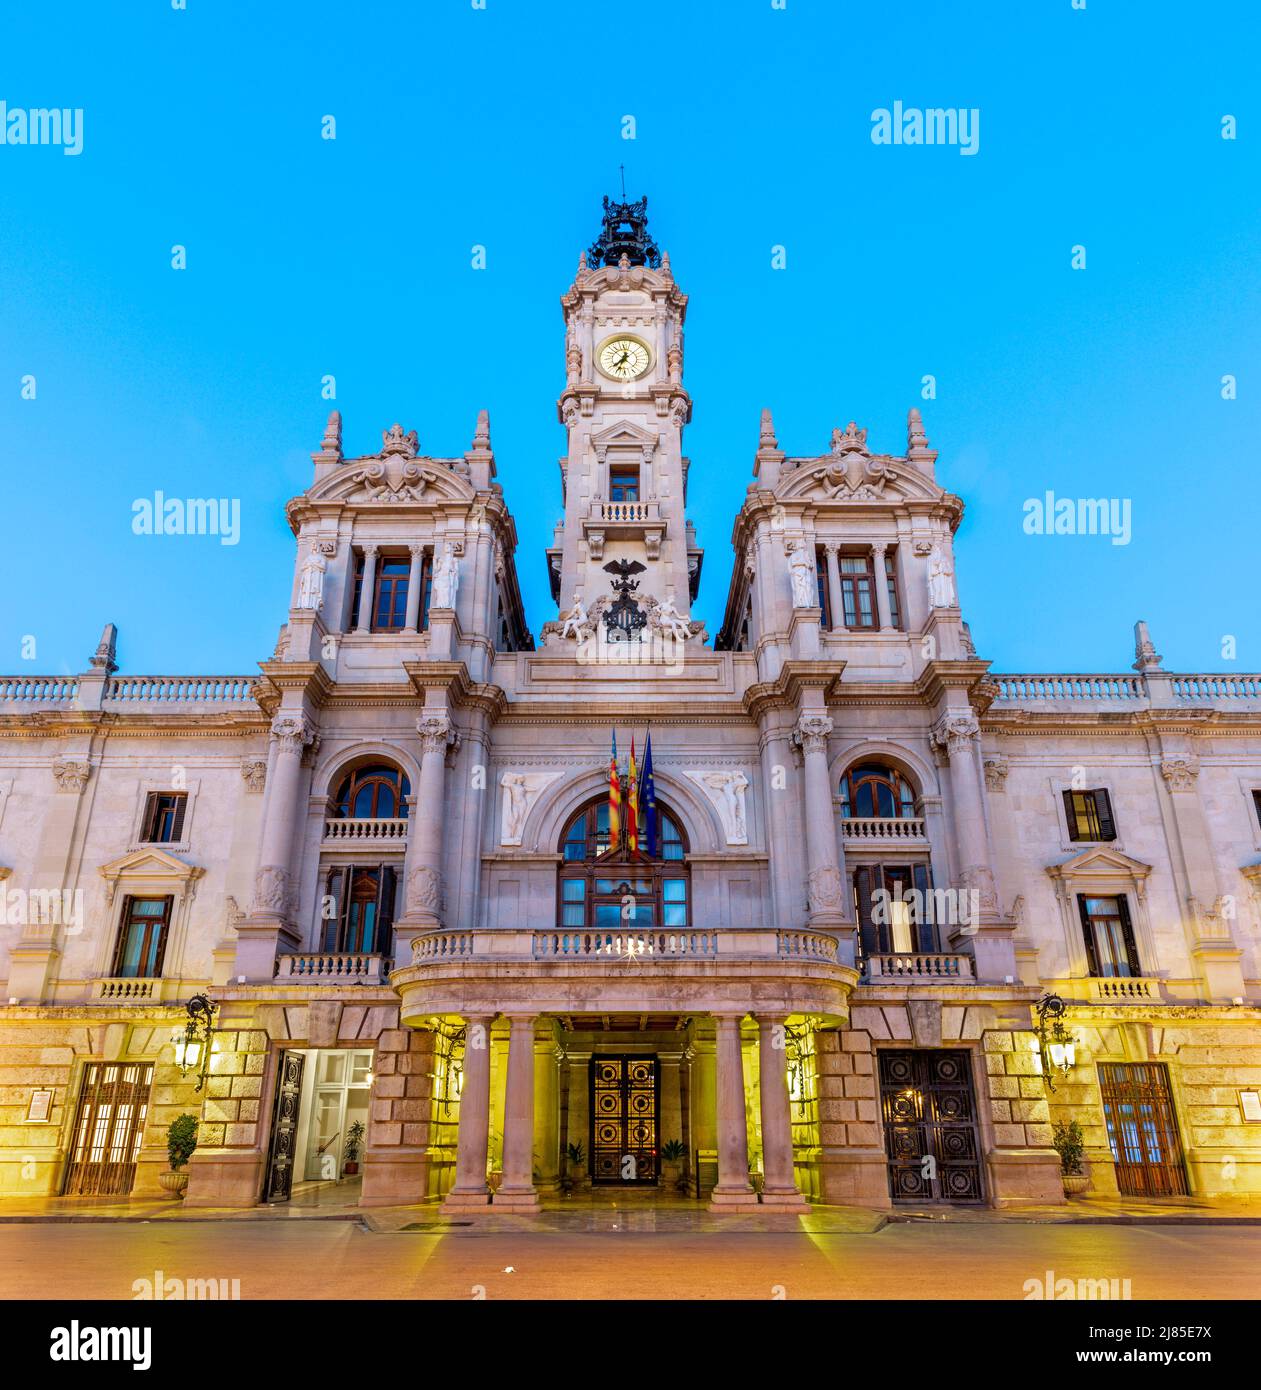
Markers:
point(503, 127)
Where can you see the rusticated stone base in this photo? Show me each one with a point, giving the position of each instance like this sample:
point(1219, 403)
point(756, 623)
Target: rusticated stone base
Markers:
point(1024, 1177)
point(224, 1178)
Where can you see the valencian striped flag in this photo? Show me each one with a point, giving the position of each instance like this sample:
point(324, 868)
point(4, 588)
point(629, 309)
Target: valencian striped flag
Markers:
point(615, 800)
point(632, 802)
point(648, 799)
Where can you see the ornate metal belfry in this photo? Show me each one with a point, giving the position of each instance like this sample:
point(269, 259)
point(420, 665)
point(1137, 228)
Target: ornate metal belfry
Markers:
point(625, 233)
point(625, 620)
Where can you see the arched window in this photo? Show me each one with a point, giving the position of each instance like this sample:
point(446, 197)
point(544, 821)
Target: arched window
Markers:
point(873, 790)
point(604, 888)
point(376, 792)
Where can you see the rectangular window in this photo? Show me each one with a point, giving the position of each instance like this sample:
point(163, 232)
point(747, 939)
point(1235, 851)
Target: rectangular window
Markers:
point(623, 484)
point(389, 609)
point(821, 580)
point(891, 579)
point(1256, 801)
point(361, 901)
point(142, 937)
point(1089, 815)
point(1109, 937)
point(164, 818)
point(896, 909)
point(858, 593)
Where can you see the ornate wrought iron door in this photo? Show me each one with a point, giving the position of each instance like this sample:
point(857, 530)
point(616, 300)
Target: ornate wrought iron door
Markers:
point(108, 1126)
point(930, 1130)
point(1142, 1129)
point(624, 1120)
point(278, 1184)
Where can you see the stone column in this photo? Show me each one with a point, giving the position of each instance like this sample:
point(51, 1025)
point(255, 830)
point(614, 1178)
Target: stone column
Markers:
point(958, 732)
point(412, 621)
point(836, 605)
point(824, 871)
point(517, 1190)
point(779, 1182)
point(422, 864)
point(271, 919)
point(882, 587)
point(734, 1189)
point(578, 1115)
point(363, 619)
point(547, 1058)
point(470, 1188)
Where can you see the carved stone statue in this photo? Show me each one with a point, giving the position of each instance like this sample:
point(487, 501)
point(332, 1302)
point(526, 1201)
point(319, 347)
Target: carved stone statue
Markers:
point(732, 786)
point(804, 580)
point(577, 622)
point(941, 579)
point(446, 578)
point(521, 790)
point(311, 581)
point(664, 617)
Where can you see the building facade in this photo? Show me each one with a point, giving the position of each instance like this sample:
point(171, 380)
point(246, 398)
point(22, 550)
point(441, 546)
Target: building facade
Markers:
point(386, 858)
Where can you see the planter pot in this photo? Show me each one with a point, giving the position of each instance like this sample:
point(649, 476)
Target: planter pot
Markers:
point(173, 1184)
point(351, 1168)
point(671, 1172)
point(1075, 1183)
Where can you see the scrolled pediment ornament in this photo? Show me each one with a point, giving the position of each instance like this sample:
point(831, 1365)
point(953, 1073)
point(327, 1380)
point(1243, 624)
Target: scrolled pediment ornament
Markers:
point(391, 480)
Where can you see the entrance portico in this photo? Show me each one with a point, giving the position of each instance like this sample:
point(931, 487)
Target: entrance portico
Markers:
point(582, 1068)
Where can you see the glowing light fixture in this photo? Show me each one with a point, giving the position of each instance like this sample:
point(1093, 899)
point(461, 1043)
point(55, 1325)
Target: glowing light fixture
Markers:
point(193, 1047)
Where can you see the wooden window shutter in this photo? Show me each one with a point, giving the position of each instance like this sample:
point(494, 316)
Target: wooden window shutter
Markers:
point(1088, 933)
point(1103, 809)
point(164, 931)
point(866, 880)
point(1127, 931)
point(927, 931)
point(1070, 814)
point(177, 826)
point(385, 910)
point(120, 944)
point(333, 922)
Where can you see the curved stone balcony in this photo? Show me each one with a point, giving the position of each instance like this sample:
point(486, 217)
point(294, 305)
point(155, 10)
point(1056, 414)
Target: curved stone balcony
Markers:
point(718, 970)
point(365, 831)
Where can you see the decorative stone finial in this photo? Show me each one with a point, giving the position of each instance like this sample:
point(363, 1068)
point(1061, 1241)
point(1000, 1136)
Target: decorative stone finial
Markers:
point(1146, 657)
point(394, 441)
point(481, 438)
point(767, 440)
point(106, 651)
point(665, 265)
point(332, 441)
point(849, 439)
point(915, 436)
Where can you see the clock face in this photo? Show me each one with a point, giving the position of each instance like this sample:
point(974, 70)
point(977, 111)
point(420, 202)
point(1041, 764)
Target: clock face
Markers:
point(624, 359)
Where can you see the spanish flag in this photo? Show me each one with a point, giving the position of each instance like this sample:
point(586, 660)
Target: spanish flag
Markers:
point(632, 802)
point(615, 800)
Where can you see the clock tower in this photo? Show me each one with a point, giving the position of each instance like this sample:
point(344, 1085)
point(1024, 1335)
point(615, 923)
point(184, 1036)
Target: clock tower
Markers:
point(624, 408)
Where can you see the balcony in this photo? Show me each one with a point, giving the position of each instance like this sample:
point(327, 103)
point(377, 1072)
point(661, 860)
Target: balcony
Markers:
point(127, 989)
point(882, 830)
point(1112, 989)
point(332, 968)
point(624, 521)
point(366, 832)
point(918, 967)
point(699, 970)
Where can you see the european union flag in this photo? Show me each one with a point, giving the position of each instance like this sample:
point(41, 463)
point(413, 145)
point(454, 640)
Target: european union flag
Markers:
point(648, 803)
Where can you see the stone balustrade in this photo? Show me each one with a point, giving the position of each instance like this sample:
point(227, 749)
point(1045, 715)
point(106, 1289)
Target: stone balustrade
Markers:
point(812, 945)
point(882, 829)
point(128, 990)
point(648, 945)
point(625, 511)
point(38, 690)
point(175, 690)
point(365, 830)
point(1121, 691)
point(332, 968)
point(919, 966)
point(1124, 990)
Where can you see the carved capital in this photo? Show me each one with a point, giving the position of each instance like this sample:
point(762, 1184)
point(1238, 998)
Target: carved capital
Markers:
point(957, 733)
point(811, 731)
point(71, 774)
point(434, 731)
point(254, 774)
point(294, 732)
point(1180, 773)
point(996, 770)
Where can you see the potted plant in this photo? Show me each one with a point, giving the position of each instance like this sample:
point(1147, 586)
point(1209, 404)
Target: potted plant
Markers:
point(354, 1142)
point(574, 1162)
point(181, 1140)
point(1070, 1145)
point(673, 1155)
